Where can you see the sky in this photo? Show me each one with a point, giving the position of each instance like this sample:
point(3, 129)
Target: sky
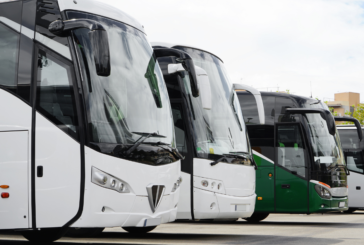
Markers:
point(267, 44)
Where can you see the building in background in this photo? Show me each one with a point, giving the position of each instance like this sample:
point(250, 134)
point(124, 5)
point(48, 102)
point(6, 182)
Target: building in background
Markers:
point(344, 102)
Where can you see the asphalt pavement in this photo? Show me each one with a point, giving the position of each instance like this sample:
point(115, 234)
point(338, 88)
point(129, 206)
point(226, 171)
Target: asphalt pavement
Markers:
point(314, 229)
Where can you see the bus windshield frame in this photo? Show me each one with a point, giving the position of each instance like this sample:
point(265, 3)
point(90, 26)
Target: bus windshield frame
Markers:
point(130, 104)
point(220, 130)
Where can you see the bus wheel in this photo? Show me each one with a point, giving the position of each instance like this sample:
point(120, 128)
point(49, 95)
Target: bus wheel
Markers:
point(139, 230)
point(44, 235)
point(93, 232)
point(350, 211)
point(256, 217)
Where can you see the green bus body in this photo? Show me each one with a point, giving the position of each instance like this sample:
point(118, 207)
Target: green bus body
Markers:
point(278, 189)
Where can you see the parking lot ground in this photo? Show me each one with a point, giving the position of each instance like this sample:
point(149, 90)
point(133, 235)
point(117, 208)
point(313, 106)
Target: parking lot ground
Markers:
point(335, 228)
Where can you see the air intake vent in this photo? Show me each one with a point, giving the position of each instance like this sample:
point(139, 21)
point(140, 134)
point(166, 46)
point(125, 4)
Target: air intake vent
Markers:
point(48, 7)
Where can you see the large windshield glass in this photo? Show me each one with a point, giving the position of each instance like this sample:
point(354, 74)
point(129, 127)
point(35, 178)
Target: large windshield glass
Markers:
point(353, 149)
point(329, 162)
point(220, 130)
point(133, 101)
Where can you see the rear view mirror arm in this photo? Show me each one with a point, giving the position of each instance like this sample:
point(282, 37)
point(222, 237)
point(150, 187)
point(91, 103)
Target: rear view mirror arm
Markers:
point(98, 38)
point(355, 121)
point(326, 115)
point(186, 61)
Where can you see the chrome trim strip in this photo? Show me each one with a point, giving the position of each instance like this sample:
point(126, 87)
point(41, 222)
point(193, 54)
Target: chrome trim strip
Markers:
point(59, 48)
point(10, 23)
point(27, 32)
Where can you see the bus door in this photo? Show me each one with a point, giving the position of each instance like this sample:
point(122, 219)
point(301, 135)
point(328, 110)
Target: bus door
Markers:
point(291, 173)
point(183, 146)
point(56, 148)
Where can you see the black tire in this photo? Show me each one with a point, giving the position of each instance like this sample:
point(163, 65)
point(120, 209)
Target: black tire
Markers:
point(257, 217)
point(139, 230)
point(350, 211)
point(43, 236)
point(88, 232)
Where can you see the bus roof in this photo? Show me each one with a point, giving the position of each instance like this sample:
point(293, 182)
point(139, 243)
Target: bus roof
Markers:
point(102, 9)
point(172, 45)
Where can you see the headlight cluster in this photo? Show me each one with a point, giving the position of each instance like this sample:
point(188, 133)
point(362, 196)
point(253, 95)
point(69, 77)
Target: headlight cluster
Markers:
point(323, 191)
point(177, 184)
point(205, 184)
point(103, 179)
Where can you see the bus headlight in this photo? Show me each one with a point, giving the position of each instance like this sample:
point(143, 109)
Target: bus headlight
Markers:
point(323, 192)
point(108, 181)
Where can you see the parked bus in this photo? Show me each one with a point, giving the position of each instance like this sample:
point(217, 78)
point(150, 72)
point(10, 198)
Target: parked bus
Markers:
point(87, 136)
point(218, 172)
point(353, 147)
point(301, 166)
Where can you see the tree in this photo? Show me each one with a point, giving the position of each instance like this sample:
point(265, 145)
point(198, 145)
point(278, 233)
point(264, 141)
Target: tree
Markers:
point(359, 113)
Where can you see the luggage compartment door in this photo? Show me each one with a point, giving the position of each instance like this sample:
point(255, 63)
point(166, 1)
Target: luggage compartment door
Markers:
point(14, 180)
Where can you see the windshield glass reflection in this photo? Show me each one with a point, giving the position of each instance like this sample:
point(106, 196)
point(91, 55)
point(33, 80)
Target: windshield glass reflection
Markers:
point(220, 130)
point(134, 98)
point(329, 162)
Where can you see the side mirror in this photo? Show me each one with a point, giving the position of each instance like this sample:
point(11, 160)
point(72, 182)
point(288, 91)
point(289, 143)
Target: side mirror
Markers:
point(205, 88)
point(185, 60)
point(355, 121)
point(98, 38)
point(258, 99)
point(202, 80)
point(325, 114)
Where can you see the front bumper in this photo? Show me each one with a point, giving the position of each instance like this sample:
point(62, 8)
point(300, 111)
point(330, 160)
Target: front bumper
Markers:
point(166, 212)
point(210, 205)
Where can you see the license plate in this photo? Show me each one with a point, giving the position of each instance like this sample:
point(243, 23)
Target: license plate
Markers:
point(341, 204)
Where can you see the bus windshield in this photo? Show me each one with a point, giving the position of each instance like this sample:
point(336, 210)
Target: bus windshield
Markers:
point(222, 129)
point(133, 101)
point(329, 162)
point(353, 149)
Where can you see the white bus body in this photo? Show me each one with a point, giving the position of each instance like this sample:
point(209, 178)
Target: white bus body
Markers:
point(354, 156)
point(65, 132)
point(224, 189)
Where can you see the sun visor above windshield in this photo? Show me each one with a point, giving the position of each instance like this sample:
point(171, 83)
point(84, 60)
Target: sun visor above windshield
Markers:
point(102, 9)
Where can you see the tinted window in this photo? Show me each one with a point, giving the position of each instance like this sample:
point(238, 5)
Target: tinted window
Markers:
point(250, 109)
point(349, 138)
point(282, 103)
point(290, 149)
point(55, 95)
point(354, 160)
point(179, 129)
point(9, 48)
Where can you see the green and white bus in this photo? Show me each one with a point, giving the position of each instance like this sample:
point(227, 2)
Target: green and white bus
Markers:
point(301, 166)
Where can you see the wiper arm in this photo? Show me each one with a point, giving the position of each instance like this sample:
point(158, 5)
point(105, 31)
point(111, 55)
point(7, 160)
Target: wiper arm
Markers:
point(174, 150)
point(142, 139)
point(225, 156)
point(253, 161)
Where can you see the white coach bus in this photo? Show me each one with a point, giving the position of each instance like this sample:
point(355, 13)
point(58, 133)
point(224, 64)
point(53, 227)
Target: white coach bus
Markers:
point(353, 146)
point(218, 172)
point(86, 133)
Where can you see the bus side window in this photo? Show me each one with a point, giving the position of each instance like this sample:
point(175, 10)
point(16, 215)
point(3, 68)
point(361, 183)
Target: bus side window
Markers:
point(290, 149)
point(9, 49)
point(55, 93)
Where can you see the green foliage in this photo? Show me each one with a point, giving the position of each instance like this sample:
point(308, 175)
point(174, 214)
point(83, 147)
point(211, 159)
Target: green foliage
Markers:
point(359, 113)
point(287, 91)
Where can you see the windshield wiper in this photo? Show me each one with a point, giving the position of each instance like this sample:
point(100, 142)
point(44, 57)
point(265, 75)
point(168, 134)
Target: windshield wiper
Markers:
point(173, 150)
point(230, 155)
point(141, 140)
